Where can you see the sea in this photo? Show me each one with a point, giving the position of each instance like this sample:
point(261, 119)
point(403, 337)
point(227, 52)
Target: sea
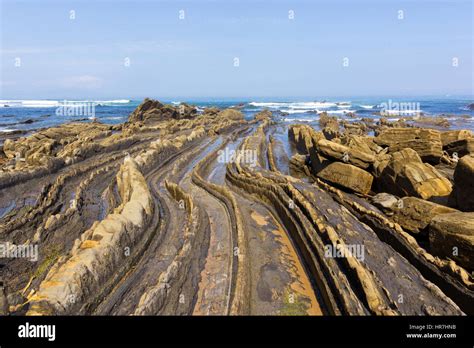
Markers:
point(29, 115)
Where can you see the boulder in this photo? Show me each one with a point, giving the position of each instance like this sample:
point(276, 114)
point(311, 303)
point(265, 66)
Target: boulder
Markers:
point(381, 162)
point(415, 214)
point(298, 164)
point(385, 123)
point(354, 128)
point(231, 115)
point(347, 176)
point(426, 142)
point(452, 236)
point(343, 153)
point(463, 192)
point(384, 200)
point(406, 175)
point(430, 121)
point(329, 125)
point(150, 111)
point(362, 143)
point(262, 115)
point(455, 135)
point(317, 162)
point(304, 137)
point(462, 147)
point(212, 111)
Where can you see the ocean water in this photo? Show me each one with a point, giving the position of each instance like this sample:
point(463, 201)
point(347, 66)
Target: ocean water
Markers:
point(30, 115)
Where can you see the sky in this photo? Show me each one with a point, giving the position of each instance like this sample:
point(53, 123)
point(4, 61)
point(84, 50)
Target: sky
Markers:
point(235, 49)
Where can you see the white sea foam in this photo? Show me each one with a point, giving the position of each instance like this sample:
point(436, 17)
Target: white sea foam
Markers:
point(343, 104)
point(292, 119)
point(339, 112)
point(107, 102)
point(29, 103)
point(298, 111)
point(366, 106)
point(294, 105)
point(269, 105)
point(400, 112)
point(4, 130)
point(112, 118)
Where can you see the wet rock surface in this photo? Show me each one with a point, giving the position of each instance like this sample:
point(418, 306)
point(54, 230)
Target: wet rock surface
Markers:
point(181, 212)
point(452, 236)
point(463, 193)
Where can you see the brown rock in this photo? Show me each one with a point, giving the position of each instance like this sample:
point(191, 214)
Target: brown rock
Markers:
point(462, 147)
point(426, 142)
point(452, 236)
point(415, 214)
point(317, 161)
point(384, 200)
point(354, 128)
point(41, 148)
point(231, 115)
point(348, 176)
point(436, 121)
point(304, 137)
point(98, 252)
point(212, 111)
point(463, 192)
point(455, 135)
point(381, 162)
point(343, 153)
point(262, 115)
point(362, 143)
point(406, 175)
point(153, 111)
point(329, 125)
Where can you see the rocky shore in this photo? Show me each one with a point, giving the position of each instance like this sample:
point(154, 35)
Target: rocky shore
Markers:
point(178, 211)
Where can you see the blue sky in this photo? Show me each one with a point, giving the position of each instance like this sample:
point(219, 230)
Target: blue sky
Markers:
point(194, 57)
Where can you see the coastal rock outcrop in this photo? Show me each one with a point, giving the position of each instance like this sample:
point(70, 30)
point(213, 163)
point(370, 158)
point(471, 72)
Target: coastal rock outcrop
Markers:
point(461, 147)
point(218, 220)
point(452, 236)
point(39, 148)
point(406, 175)
point(99, 251)
point(463, 192)
point(385, 201)
point(304, 137)
point(262, 115)
point(150, 111)
point(426, 142)
point(329, 125)
point(346, 154)
point(347, 176)
point(451, 136)
point(415, 214)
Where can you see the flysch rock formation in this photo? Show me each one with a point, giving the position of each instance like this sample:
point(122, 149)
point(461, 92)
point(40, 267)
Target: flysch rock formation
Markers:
point(180, 211)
